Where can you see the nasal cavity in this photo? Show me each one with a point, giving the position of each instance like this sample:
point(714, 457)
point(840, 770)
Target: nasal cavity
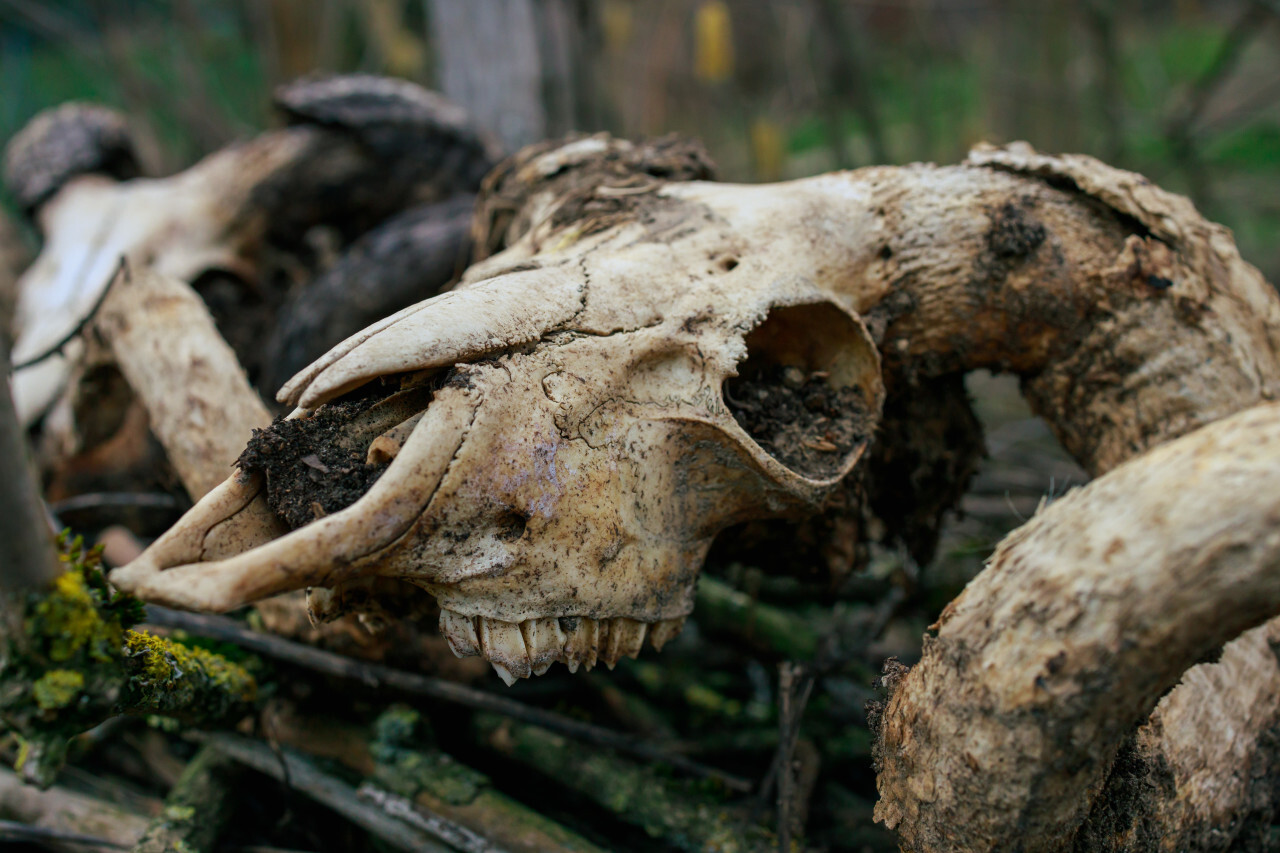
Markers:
point(509, 525)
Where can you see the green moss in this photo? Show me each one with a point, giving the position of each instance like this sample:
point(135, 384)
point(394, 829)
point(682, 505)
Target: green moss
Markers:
point(407, 764)
point(57, 688)
point(77, 663)
point(684, 814)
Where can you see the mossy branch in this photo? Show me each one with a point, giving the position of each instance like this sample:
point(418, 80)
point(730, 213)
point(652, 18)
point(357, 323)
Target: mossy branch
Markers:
point(684, 814)
point(197, 809)
point(75, 662)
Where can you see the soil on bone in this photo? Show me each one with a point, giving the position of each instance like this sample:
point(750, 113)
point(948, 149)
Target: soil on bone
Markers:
point(310, 469)
point(799, 418)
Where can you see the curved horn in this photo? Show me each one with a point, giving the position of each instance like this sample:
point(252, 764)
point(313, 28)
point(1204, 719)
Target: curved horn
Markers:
point(59, 144)
point(492, 315)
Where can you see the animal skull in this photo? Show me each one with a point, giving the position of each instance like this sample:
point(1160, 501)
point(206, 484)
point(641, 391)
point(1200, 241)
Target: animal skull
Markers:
point(577, 456)
point(366, 146)
point(561, 428)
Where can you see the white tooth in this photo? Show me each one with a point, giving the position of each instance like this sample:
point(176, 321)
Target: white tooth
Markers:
point(503, 673)
point(661, 633)
point(626, 637)
point(544, 641)
point(504, 646)
point(460, 631)
point(582, 641)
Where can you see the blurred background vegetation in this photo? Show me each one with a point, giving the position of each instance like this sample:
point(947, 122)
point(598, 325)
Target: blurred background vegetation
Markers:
point(1185, 91)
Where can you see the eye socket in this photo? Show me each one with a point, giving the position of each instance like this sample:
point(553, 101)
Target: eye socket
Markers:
point(808, 390)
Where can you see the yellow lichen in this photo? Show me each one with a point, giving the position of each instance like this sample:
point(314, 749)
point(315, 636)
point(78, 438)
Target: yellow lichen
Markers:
point(57, 688)
point(165, 664)
point(67, 621)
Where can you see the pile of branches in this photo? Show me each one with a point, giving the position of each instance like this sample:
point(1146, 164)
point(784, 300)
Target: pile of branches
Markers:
point(769, 722)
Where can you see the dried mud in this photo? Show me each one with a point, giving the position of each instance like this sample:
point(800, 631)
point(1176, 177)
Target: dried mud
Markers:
point(310, 469)
point(804, 422)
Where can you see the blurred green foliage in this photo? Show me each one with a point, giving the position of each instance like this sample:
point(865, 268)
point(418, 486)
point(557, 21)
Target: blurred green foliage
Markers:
point(836, 80)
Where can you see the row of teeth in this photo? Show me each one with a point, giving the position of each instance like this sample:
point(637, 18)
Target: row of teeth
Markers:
point(519, 650)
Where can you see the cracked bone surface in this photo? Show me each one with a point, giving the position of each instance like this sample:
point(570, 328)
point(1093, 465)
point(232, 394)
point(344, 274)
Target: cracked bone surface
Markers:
point(589, 385)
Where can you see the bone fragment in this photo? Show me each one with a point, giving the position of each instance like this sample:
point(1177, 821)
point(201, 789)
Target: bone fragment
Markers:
point(200, 404)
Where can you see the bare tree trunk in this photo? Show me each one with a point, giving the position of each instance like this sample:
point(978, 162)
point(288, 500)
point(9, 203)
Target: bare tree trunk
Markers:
point(491, 65)
point(27, 559)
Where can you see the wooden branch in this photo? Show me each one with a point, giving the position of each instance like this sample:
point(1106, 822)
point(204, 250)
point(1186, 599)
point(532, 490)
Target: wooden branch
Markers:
point(721, 609)
point(58, 808)
point(1084, 617)
point(426, 779)
point(304, 777)
point(298, 654)
point(72, 662)
point(676, 812)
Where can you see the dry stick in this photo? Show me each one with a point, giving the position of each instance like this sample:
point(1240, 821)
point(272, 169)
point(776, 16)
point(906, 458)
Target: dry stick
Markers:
point(306, 778)
point(786, 776)
point(19, 832)
point(100, 500)
point(122, 272)
point(454, 834)
point(374, 675)
point(795, 686)
point(59, 809)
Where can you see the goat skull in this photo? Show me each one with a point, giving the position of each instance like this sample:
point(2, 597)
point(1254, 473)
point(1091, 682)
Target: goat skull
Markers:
point(577, 456)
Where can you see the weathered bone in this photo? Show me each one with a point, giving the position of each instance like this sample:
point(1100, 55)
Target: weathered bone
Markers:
point(218, 214)
point(582, 455)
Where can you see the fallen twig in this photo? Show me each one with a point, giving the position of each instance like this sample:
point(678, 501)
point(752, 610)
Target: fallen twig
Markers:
point(13, 831)
point(59, 811)
point(121, 272)
point(306, 778)
point(679, 812)
point(413, 814)
point(375, 675)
